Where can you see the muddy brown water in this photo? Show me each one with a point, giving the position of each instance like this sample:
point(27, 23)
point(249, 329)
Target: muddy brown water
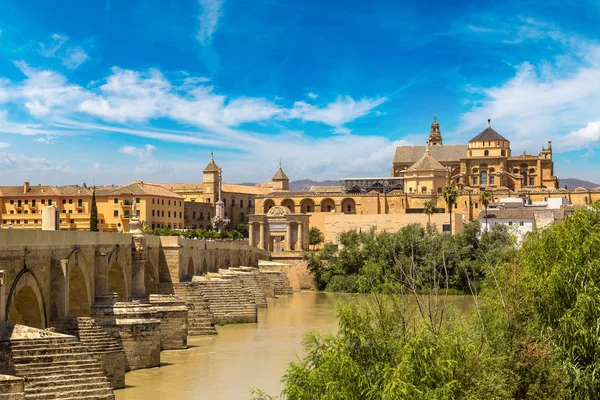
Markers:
point(242, 356)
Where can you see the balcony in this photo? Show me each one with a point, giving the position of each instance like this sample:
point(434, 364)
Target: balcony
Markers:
point(126, 204)
point(79, 206)
point(18, 206)
point(125, 216)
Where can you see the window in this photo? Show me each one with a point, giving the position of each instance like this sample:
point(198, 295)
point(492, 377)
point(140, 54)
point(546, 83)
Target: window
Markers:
point(137, 200)
point(153, 213)
point(25, 221)
point(116, 200)
point(510, 223)
point(26, 201)
point(194, 215)
point(26, 212)
point(169, 214)
point(475, 170)
point(476, 205)
point(423, 189)
point(79, 202)
point(152, 201)
point(35, 221)
point(484, 177)
point(455, 205)
point(179, 214)
point(241, 203)
point(19, 203)
point(64, 201)
point(12, 202)
point(49, 202)
point(153, 226)
point(328, 207)
point(116, 213)
point(79, 211)
point(208, 199)
point(521, 223)
point(126, 213)
point(486, 153)
point(137, 213)
point(12, 211)
point(201, 215)
point(531, 181)
point(169, 202)
point(163, 213)
point(163, 202)
point(308, 209)
point(475, 180)
point(179, 203)
point(492, 179)
point(33, 203)
point(70, 201)
point(249, 203)
point(503, 153)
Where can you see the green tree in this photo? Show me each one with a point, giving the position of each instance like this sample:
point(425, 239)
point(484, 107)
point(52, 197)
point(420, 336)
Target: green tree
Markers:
point(315, 236)
point(450, 194)
point(243, 229)
point(429, 209)
point(485, 198)
point(94, 213)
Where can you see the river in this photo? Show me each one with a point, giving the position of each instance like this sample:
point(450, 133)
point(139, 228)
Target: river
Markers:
point(243, 355)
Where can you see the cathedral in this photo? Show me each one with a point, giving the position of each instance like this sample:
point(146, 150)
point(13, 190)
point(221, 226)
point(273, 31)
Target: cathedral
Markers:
point(485, 163)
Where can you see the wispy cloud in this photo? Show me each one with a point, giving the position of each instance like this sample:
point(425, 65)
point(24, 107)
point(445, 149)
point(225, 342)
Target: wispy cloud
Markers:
point(71, 56)
point(142, 153)
point(4, 145)
point(21, 165)
point(46, 139)
point(312, 95)
point(209, 19)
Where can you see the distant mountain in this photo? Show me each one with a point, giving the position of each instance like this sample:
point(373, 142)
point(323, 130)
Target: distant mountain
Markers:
point(573, 183)
point(305, 184)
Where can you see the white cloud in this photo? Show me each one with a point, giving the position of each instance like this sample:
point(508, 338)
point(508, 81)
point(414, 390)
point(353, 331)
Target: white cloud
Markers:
point(343, 110)
point(71, 57)
point(312, 95)
point(142, 153)
point(209, 19)
point(582, 138)
point(74, 57)
point(18, 164)
point(46, 139)
point(4, 145)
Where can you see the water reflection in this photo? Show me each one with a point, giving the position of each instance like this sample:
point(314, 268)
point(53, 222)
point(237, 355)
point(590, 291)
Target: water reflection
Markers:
point(242, 356)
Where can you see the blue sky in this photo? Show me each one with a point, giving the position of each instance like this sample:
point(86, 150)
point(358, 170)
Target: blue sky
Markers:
point(112, 91)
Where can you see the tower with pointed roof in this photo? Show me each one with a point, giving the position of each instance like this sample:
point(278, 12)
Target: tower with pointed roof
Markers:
point(435, 136)
point(427, 176)
point(280, 181)
point(210, 181)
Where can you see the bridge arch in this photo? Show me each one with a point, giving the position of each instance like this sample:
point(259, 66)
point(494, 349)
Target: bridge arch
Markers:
point(25, 303)
point(191, 269)
point(117, 281)
point(204, 267)
point(79, 292)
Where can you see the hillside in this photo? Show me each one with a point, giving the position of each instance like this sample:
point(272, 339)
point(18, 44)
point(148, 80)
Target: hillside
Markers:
point(572, 183)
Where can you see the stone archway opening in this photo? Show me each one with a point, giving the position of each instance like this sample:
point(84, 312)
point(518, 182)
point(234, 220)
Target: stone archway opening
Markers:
point(267, 205)
point(149, 278)
point(348, 206)
point(307, 206)
point(25, 309)
point(79, 305)
point(116, 281)
point(289, 203)
point(204, 267)
point(327, 205)
point(191, 270)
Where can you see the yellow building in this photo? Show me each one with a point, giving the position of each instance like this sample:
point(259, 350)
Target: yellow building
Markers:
point(21, 206)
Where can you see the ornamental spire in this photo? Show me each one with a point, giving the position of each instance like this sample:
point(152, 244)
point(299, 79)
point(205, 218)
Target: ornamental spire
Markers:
point(435, 136)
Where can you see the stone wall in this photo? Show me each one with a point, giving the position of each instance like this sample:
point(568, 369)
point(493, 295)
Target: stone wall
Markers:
point(12, 388)
point(294, 266)
point(173, 315)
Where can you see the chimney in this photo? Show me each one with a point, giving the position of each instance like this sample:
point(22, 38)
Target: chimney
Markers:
point(25, 187)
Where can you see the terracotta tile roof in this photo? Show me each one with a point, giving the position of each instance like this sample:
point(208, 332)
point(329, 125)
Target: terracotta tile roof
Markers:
point(427, 162)
point(233, 188)
point(34, 191)
point(138, 188)
point(442, 153)
point(211, 167)
point(180, 186)
point(507, 214)
point(280, 175)
point(326, 189)
point(74, 190)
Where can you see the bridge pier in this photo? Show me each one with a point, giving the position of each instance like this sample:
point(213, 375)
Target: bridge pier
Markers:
point(2, 296)
point(64, 264)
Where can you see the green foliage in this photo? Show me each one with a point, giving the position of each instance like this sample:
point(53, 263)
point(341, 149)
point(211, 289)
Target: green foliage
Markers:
point(365, 262)
point(243, 229)
point(429, 209)
point(315, 236)
point(203, 233)
point(94, 213)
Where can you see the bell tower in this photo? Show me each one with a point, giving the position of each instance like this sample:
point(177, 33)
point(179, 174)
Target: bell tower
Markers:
point(435, 137)
point(210, 181)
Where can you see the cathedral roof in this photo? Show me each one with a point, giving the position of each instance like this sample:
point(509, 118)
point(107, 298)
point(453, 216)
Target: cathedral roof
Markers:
point(488, 134)
point(442, 153)
point(280, 175)
point(427, 162)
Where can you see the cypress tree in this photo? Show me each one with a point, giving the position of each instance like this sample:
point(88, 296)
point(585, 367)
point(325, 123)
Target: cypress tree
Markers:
point(94, 214)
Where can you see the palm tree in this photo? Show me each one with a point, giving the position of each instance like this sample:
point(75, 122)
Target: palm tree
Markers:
point(450, 194)
point(485, 198)
point(429, 208)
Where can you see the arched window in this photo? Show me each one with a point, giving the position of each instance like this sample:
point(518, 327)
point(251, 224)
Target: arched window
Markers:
point(484, 178)
point(486, 153)
point(475, 170)
point(531, 170)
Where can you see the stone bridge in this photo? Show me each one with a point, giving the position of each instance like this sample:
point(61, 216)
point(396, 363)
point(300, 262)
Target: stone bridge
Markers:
point(49, 275)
